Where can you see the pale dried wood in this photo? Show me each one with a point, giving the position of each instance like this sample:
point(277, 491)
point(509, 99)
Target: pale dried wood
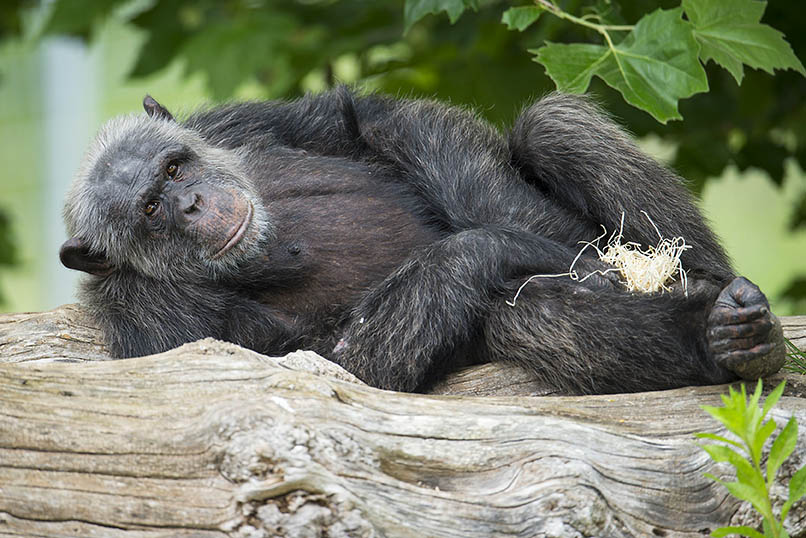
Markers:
point(795, 330)
point(67, 333)
point(215, 440)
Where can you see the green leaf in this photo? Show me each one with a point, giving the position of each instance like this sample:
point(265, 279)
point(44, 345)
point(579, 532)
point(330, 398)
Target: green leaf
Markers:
point(731, 34)
point(782, 447)
point(756, 395)
point(165, 38)
point(657, 64)
point(8, 252)
point(605, 12)
point(733, 420)
point(760, 437)
point(714, 437)
point(654, 67)
point(752, 419)
point(752, 495)
point(745, 472)
point(571, 66)
point(520, 18)
point(743, 531)
point(797, 485)
point(773, 397)
point(414, 10)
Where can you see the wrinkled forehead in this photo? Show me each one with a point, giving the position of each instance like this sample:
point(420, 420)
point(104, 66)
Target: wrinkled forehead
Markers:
point(121, 159)
point(127, 143)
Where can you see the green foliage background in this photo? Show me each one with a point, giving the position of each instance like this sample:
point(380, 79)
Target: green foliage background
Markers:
point(282, 48)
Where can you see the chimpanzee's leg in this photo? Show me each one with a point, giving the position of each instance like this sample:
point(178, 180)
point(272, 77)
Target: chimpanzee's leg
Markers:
point(568, 148)
point(460, 168)
point(586, 342)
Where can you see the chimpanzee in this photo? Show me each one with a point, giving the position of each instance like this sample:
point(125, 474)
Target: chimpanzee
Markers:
point(389, 234)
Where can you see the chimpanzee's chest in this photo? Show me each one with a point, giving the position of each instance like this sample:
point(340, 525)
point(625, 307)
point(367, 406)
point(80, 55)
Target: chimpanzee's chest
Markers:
point(339, 234)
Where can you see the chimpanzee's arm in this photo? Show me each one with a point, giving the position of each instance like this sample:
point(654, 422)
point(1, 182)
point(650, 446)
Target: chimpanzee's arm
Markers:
point(587, 171)
point(141, 316)
point(325, 123)
point(428, 313)
point(462, 300)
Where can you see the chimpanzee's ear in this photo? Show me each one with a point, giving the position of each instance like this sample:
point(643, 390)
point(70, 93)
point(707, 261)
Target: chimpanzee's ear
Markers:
point(75, 254)
point(156, 110)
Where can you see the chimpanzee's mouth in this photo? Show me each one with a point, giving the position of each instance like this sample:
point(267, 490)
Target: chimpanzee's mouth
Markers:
point(238, 234)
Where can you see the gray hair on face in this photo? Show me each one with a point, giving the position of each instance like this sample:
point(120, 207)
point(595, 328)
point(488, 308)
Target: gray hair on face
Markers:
point(98, 214)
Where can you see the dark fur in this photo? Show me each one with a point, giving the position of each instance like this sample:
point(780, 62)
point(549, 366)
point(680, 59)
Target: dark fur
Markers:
point(391, 234)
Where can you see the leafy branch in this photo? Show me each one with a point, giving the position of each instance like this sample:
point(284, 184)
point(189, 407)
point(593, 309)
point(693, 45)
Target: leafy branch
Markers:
point(548, 5)
point(745, 420)
point(659, 60)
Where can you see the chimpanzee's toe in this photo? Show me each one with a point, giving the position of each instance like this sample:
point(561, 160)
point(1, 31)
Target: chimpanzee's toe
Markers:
point(743, 335)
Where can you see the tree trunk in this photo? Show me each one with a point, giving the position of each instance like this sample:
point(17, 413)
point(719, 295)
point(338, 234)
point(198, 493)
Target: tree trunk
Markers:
point(214, 440)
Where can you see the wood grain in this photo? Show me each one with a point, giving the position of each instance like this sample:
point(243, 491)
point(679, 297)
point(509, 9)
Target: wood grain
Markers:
point(214, 440)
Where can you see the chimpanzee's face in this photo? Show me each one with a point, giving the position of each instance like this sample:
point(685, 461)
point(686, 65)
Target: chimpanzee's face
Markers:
point(156, 198)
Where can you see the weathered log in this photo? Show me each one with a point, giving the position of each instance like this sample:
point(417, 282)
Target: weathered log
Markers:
point(214, 440)
point(67, 333)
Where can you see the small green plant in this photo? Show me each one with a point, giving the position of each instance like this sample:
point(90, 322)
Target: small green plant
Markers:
point(745, 420)
point(795, 358)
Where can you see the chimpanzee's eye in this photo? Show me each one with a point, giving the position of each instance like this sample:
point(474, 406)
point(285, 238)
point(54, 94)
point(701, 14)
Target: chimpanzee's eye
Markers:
point(172, 170)
point(151, 207)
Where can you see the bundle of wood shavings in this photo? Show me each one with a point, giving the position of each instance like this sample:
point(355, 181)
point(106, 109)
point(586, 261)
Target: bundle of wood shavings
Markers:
point(645, 271)
point(649, 270)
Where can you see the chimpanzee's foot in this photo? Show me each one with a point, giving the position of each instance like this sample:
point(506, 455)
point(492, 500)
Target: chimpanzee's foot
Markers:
point(743, 335)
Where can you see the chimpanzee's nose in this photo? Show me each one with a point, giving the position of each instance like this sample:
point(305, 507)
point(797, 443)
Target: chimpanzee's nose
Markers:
point(191, 203)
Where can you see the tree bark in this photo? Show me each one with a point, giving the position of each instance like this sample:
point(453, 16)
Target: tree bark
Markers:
point(214, 440)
